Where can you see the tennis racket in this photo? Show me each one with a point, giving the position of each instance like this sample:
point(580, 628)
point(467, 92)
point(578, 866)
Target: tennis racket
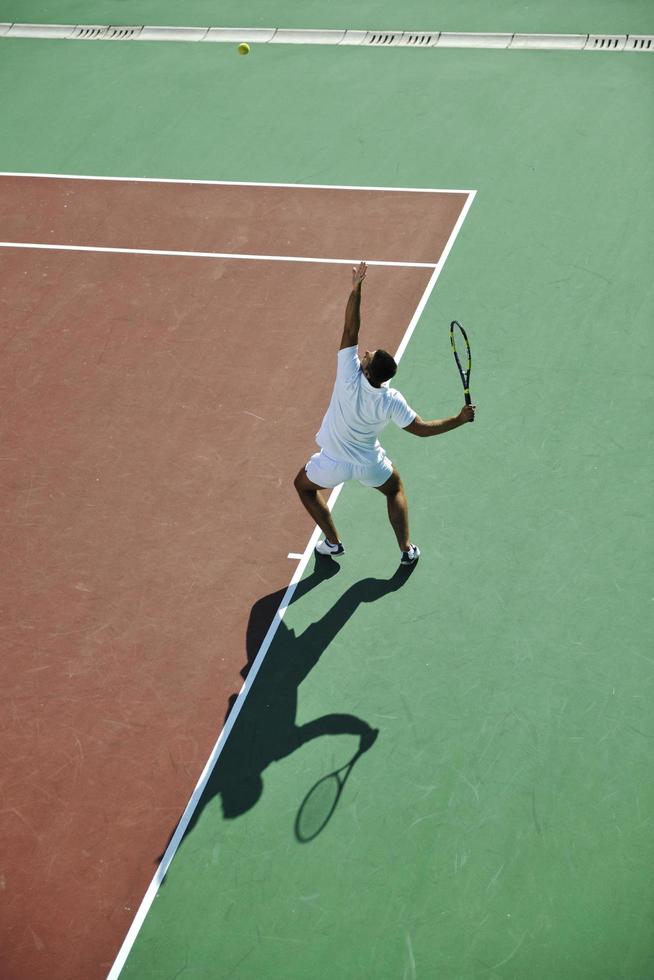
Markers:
point(322, 799)
point(462, 356)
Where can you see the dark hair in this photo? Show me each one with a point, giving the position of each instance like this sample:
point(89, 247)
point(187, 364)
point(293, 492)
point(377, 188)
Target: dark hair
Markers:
point(382, 367)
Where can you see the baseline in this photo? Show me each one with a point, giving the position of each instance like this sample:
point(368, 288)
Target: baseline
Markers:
point(238, 183)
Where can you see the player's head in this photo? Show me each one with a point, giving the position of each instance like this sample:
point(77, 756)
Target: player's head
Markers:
point(378, 366)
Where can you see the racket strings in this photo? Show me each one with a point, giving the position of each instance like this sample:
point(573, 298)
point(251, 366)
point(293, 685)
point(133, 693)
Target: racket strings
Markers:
point(462, 354)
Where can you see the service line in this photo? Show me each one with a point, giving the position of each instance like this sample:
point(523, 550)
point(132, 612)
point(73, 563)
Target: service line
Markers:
point(213, 255)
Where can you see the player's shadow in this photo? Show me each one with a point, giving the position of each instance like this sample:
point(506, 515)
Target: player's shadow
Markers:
point(265, 729)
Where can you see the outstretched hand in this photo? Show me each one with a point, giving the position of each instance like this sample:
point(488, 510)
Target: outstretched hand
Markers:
point(467, 413)
point(359, 274)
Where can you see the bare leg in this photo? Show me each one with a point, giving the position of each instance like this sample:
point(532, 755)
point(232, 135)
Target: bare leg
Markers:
point(309, 494)
point(398, 509)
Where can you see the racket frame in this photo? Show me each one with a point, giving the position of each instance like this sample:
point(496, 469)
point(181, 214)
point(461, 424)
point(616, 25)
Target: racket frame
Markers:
point(465, 375)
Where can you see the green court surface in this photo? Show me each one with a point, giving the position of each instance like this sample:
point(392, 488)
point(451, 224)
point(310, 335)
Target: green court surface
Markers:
point(501, 824)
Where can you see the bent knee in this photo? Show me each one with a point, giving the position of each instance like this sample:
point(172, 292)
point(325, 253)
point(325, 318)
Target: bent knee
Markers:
point(393, 485)
point(298, 482)
point(303, 484)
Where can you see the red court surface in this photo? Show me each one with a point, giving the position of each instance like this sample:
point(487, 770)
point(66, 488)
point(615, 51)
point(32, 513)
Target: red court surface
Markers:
point(155, 411)
point(390, 226)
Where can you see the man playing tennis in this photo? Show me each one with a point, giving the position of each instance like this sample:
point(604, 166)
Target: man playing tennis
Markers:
point(361, 406)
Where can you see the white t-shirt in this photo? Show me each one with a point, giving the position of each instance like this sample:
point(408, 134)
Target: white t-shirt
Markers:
point(358, 412)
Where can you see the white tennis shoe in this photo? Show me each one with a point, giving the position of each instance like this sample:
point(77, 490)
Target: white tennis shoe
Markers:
point(411, 556)
point(325, 547)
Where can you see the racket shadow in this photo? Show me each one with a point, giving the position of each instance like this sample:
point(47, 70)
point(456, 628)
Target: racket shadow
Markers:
point(266, 730)
point(319, 805)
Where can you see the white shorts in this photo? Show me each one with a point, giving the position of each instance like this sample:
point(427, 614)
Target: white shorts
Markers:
point(327, 472)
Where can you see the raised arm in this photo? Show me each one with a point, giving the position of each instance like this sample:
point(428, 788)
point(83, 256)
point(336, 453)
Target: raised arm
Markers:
point(350, 336)
point(434, 427)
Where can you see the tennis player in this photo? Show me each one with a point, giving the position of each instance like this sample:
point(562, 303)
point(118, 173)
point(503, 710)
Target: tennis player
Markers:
point(362, 404)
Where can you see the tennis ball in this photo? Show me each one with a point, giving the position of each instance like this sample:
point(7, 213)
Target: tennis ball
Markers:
point(244, 48)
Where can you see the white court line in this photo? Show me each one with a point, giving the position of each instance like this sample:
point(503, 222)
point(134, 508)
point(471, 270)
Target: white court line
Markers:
point(176, 839)
point(238, 183)
point(211, 255)
point(437, 271)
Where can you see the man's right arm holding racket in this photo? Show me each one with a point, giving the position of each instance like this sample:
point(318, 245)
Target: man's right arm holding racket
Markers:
point(434, 427)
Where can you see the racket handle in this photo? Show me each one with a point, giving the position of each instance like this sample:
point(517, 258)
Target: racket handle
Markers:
point(468, 398)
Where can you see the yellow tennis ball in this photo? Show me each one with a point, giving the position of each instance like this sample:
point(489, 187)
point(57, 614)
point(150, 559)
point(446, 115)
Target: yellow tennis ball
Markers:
point(244, 48)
